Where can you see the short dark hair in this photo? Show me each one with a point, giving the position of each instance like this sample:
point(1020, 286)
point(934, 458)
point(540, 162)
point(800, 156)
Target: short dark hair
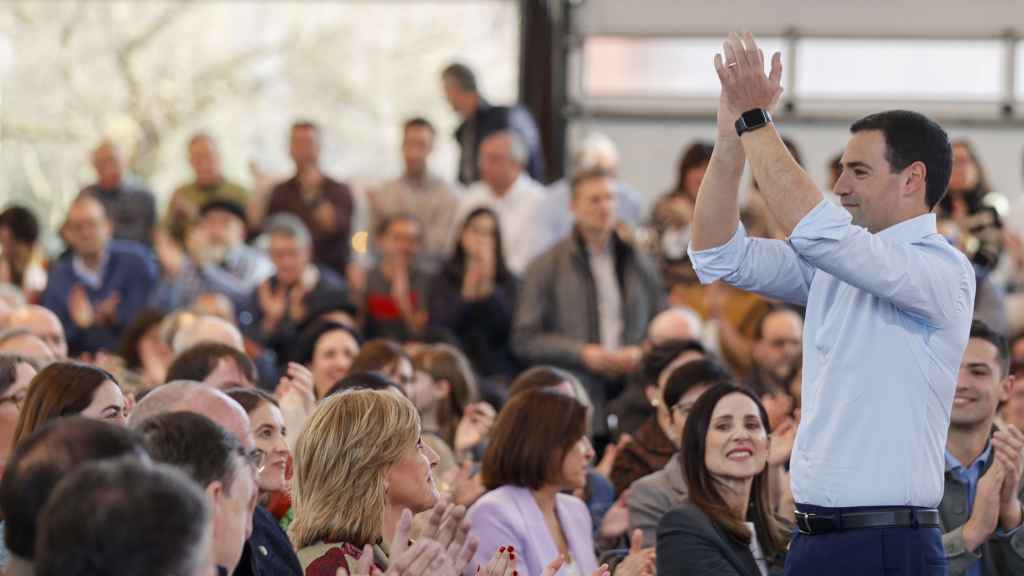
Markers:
point(386, 222)
point(312, 334)
point(705, 492)
point(195, 444)
point(583, 176)
point(377, 355)
point(913, 137)
point(658, 358)
point(123, 518)
point(22, 223)
point(461, 75)
point(982, 331)
point(201, 360)
point(533, 433)
point(39, 462)
point(418, 122)
point(690, 375)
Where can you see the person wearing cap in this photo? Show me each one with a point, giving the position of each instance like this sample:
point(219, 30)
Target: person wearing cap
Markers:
point(215, 259)
point(187, 201)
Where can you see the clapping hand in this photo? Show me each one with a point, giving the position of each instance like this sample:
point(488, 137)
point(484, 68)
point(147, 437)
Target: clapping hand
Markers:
point(473, 427)
point(1008, 446)
point(745, 86)
point(640, 561)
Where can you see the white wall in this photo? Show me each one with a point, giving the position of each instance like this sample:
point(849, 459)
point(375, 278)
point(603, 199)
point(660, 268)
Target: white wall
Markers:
point(650, 150)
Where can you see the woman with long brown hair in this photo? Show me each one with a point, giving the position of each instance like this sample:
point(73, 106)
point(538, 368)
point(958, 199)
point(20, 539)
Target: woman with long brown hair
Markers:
point(69, 388)
point(728, 526)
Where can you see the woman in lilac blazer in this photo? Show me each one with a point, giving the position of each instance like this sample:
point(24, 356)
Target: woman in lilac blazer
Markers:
point(538, 448)
point(538, 451)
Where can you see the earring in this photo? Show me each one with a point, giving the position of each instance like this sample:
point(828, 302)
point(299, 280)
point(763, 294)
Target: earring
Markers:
point(655, 402)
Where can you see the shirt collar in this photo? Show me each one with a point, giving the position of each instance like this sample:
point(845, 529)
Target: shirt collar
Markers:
point(911, 230)
point(954, 465)
point(93, 278)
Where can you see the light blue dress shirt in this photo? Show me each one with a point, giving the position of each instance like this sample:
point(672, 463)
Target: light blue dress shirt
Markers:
point(888, 318)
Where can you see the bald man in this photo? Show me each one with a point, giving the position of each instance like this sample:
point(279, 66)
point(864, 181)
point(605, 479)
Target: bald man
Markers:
point(42, 323)
point(132, 208)
point(21, 341)
point(268, 550)
point(207, 329)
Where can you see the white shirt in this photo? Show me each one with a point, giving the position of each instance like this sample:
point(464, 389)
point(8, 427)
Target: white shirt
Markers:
point(755, 550)
point(888, 318)
point(519, 217)
point(609, 298)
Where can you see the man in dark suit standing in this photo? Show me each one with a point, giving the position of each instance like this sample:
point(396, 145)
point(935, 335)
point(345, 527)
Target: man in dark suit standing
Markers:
point(480, 119)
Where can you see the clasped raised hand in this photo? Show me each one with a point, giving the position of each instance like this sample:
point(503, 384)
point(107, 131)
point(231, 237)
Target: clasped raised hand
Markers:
point(745, 86)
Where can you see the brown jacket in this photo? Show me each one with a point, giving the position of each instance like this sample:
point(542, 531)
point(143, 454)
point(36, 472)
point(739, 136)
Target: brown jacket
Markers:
point(649, 451)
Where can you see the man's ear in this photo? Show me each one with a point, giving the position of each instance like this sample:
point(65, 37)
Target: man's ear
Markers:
point(215, 492)
point(915, 179)
point(1006, 388)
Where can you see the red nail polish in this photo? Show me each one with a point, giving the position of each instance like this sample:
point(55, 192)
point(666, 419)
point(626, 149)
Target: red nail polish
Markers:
point(512, 556)
point(502, 549)
point(511, 548)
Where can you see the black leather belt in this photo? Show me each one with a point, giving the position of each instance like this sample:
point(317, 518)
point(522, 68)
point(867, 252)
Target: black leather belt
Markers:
point(812, 524)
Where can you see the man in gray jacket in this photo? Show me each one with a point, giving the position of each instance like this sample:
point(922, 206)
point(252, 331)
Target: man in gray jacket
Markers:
point(585, 303)
point(981, 509)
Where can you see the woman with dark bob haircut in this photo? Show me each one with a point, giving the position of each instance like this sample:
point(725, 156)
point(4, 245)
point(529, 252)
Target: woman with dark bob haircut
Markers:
point(539, 450)
point(727, 526)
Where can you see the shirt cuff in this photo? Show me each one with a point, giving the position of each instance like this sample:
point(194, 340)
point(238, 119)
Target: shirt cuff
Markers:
point(716, 263)
point(1001, 534)
point(826, 220)
point(953, 543)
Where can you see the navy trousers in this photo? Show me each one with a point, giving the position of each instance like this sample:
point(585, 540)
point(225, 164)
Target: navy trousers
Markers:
point(866, 552)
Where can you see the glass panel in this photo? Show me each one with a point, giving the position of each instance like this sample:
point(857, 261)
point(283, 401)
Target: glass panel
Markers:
point(900, 69)
point(653, 67)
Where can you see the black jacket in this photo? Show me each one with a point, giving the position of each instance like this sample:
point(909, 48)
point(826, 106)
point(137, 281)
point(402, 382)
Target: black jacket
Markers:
point(268, 552)
point(490, 119)
point(689, 544)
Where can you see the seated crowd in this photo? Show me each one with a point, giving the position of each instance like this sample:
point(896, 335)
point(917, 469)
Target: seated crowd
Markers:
point(522, 380)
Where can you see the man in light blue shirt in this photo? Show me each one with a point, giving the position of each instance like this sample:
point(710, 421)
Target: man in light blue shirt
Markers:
point(981, 508)
point(888, 313)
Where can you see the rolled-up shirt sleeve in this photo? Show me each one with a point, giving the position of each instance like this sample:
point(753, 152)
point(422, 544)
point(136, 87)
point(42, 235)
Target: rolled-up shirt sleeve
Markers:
point(925, 277)
point(768, 267)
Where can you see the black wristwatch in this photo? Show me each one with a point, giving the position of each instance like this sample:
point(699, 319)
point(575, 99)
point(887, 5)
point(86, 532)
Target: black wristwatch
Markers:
point(752, 120)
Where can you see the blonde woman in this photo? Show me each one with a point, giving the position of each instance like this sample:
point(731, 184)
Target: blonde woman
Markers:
point(359, 466)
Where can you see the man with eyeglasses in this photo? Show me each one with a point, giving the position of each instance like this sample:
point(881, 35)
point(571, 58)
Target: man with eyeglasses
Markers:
point(216, 460)
point(267, 550)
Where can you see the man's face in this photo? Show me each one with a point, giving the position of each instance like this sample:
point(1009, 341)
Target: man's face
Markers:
point(497, 167)
point(107, 162)
point(88, 228)
point(202, 156)
point(222, 229)
point(593, 206)
point(305, 146)
point(289, 256)
point(401, 240)
point(227, 375)
point(417, 144)
point(778, 351)
point(232, 515)
point(867, 187)
point(980, 386)
point(455, 96)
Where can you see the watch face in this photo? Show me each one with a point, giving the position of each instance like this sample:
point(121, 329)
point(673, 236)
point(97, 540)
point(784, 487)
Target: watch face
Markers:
point(754, 118)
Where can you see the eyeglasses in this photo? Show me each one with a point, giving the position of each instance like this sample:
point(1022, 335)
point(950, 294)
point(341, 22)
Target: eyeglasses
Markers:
point(18, 398)
point(257, 459)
